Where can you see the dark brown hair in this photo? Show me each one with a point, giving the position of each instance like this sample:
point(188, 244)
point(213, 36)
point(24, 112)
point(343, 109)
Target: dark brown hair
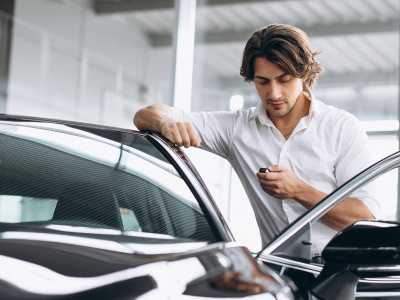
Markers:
point(285, 45)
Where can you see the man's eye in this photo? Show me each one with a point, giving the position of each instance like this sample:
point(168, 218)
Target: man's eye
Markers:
point(285, 79)
point(261, 81)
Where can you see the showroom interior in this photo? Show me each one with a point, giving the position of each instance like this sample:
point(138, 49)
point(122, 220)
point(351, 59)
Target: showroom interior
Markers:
point(100, 61)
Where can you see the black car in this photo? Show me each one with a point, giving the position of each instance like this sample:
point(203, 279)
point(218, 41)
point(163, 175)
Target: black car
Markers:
point(93, 212)
point(90, 212)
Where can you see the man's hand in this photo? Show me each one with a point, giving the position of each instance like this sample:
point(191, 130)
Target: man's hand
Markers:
point(181, 134)
point(157, 117)
point(280, 183)
point(283, 184)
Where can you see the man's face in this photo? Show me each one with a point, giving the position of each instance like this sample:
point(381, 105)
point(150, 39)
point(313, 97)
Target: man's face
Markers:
point(278, 90)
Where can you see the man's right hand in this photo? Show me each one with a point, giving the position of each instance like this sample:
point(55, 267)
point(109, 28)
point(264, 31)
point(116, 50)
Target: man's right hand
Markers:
point(157, 117)
point(182, 134)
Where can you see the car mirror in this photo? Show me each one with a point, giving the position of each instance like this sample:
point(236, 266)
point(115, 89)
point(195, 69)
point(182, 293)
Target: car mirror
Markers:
point(366, 241)
point(367, 248)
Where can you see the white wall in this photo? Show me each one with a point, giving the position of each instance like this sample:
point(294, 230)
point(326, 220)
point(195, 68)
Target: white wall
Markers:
point(159, 75)
point(68, 63)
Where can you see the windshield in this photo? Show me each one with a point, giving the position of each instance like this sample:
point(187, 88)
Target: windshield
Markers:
point(51, 177)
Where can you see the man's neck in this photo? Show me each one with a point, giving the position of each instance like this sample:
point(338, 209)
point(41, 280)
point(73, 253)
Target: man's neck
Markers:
point(287, 123)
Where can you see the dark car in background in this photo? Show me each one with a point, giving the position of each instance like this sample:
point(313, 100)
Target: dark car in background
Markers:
point(94, 212)
point(90, 212)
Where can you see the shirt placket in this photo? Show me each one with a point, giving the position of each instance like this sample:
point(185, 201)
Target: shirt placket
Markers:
point(284, 157)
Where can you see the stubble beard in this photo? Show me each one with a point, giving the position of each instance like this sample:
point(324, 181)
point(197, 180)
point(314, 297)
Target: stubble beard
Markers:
point(277, 113)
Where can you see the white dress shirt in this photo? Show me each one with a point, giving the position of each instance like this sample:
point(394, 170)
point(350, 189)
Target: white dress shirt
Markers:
point(327, 148)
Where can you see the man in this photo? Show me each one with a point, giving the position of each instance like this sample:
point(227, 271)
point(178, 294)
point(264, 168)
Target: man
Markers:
point(310, 148)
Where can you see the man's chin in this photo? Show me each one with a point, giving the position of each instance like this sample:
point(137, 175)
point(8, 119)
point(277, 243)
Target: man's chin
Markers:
point(277, 114)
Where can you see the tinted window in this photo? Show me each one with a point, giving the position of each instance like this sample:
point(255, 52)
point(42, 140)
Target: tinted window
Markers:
point(48, 177)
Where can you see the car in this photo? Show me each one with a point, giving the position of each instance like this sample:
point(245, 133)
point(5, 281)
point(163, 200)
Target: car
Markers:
point(94, 212)
point(89, 211)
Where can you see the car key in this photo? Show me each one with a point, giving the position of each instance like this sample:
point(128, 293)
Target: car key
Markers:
point(263, 170)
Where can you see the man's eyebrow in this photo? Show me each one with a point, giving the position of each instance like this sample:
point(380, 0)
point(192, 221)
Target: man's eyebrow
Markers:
point(285, 74)
point(280, 76)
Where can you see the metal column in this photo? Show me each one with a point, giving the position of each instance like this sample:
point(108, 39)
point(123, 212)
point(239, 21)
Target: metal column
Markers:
point(185, 13)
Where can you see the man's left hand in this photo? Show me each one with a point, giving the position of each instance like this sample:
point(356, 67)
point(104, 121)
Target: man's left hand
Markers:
point(280, 183)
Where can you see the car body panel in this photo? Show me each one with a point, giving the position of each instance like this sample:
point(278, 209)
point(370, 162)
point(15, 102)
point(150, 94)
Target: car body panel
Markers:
point(74, 264)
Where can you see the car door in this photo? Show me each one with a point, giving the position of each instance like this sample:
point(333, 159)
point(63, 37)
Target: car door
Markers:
point(290, 251)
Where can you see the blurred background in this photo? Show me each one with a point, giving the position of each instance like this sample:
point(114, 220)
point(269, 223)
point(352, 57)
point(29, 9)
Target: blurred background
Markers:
point(99, 61)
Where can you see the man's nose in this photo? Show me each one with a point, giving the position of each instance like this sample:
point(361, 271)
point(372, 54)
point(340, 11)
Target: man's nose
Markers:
point(274, 91)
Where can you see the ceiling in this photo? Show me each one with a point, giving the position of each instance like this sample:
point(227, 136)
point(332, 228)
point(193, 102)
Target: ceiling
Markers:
point(359, 39)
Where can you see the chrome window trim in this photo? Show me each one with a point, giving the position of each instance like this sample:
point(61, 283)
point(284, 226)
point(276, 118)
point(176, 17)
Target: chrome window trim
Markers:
point(379, 269)
point(377, 294)
point(388, 279)
point(293, 264)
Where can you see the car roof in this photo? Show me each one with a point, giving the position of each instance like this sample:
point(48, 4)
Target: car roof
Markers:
point(82, 125)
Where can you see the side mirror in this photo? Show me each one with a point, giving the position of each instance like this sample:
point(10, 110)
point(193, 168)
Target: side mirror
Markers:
point(366, 248)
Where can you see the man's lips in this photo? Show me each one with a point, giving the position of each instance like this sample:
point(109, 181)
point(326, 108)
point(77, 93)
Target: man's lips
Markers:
point(277, 105)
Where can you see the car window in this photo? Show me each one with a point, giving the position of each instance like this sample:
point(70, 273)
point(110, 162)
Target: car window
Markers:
point(50, 177)
point(17, 209)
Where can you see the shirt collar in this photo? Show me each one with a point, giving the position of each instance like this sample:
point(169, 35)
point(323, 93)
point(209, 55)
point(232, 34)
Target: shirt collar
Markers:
point(315, 107)
point(260, 112)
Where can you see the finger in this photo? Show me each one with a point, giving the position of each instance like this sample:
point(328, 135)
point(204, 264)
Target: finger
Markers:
point(268, 176)
point(185, 136)
point(194, 139)
point(277, 168)
point(177, 134)
point(262, 175)
point(173, 134)
point(269, 185)
point(273, 191)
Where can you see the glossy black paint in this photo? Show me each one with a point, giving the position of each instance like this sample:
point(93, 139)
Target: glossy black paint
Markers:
point(368, 241)
point(367, 248)
point(228, 271)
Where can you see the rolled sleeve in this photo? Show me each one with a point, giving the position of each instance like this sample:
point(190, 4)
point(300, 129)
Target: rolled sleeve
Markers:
point(214, 128)
point(354, 155)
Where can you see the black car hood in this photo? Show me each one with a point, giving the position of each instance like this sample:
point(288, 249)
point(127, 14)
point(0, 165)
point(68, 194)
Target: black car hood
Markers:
point(86, 252)
point(63, 261)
